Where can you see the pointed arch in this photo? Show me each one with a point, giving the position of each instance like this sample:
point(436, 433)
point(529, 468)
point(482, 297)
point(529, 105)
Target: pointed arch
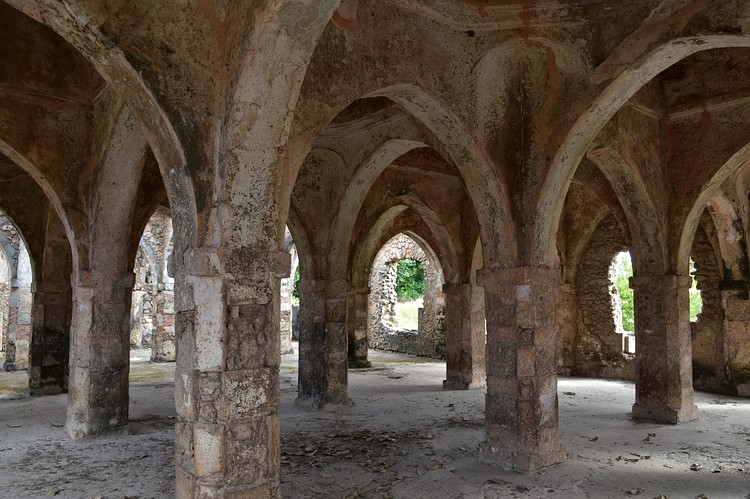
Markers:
point(603, 107)
point(707, 192)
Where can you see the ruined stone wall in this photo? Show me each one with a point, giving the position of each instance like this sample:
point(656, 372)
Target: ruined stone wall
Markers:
point(17, 309)
point(144, 294)
point(286, 307)
point(152, 310)
point(383, 331)
point(4, 293)
point(597, 350)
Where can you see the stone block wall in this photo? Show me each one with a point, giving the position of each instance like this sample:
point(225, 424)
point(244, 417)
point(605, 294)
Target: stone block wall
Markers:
point(383, 331)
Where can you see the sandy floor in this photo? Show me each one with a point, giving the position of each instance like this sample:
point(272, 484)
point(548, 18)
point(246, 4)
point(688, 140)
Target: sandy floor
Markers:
point(404, 438)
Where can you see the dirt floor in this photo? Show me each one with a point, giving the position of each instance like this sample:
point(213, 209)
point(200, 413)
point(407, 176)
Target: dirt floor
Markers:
point(404, 438)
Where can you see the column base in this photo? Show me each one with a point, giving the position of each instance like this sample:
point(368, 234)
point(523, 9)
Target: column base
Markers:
point(660, 414)
point(317, 404)
point(82, 431)
point(523, 460)
point(359, 363)
point(458, 384)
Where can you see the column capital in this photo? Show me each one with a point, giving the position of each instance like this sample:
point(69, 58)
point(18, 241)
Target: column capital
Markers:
point(94, 278)
point(281, 264)
point(454, 288)
point(660, 281)
point(315, 285)
point(336, 287)
point(203, 261)
point(516, 276)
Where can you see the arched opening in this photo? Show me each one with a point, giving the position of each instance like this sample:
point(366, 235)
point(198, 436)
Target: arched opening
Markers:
point(17, 298)
point(621, 295)
point(289, 303)
point(152, 331)
point(420, 282)
point(410, 285)
point(5, 283)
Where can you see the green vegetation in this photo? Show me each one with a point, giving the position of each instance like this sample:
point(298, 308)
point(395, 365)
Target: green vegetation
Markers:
point(696, 302)
point(295, 289)
point(409, 280)
point(623, 272)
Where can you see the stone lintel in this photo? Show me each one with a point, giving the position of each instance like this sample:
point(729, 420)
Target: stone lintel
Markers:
point(337, 288)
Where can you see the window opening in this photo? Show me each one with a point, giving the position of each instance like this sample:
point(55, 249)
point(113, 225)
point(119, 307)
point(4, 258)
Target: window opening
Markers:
point(409, 292)
point(622, 299)
point(696, 300)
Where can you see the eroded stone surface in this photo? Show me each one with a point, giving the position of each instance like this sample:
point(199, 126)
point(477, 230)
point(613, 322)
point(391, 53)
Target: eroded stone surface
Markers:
point(528, 142)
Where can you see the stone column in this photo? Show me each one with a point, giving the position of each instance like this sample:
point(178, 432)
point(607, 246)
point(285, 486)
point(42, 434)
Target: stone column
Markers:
point(285, 322)
point(50, 346)
point(521, 406)
point(227, 382)
point(100, 350)
point(357, 306)
point(566, 328)
point(19, 315)
point(322, 345)
point(664, 374)
point(737, 340)
point(464, 343)
point(163, 340)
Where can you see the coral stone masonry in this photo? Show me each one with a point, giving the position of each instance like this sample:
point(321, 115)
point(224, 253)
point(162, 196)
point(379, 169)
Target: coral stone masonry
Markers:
point(168, 169)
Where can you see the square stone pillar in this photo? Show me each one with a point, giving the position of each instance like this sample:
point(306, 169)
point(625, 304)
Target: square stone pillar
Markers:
point(100, 355)
point(664, 372)
point(566, 328)
point(357, 327)
point(322, 345)
point(227, 441)
point(19, 326)
point(737, 340)
point(464, 343)
point(521, 408)
point(163, 339)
